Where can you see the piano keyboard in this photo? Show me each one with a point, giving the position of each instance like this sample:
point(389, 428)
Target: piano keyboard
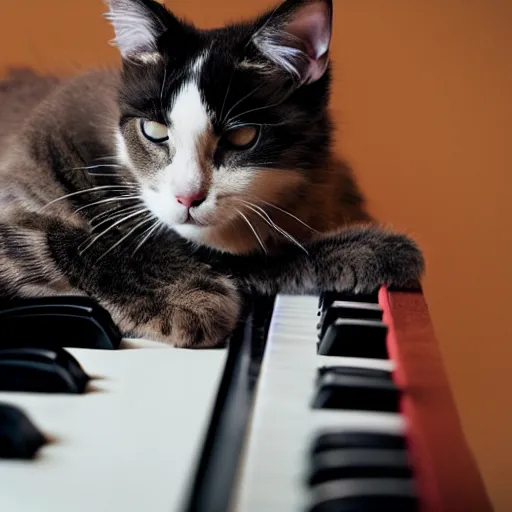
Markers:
point(314, 408)
point(130, 443)
point(285, 425)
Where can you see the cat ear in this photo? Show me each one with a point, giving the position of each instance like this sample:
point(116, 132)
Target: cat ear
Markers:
point(138, 24)
point(297, 36)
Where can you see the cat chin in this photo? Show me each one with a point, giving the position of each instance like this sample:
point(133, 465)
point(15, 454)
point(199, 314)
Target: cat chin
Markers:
point(191, 232)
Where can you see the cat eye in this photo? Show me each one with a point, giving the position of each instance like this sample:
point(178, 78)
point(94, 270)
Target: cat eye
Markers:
point(155, 132)
point(243, 138)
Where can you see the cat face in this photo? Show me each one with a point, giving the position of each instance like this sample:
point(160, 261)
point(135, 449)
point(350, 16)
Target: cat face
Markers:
point(221, 127)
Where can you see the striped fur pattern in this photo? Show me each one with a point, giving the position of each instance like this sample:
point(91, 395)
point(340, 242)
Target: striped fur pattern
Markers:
point(199, 172)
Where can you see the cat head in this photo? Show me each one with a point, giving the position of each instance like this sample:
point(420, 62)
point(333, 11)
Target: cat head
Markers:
point(222, 128)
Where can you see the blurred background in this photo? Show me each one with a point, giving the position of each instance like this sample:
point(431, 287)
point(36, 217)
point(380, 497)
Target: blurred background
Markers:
point(423, 104)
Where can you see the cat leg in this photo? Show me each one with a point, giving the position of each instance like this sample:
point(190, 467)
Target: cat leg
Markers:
point(160, 292)
point(356, 259)
point(26, 266)
point(361, 259)
point(164, 295)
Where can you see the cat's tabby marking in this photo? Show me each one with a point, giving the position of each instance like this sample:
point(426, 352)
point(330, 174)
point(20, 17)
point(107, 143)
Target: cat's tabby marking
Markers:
point(201, 171)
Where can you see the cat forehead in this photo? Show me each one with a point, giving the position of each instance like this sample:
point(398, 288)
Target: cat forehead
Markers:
point(217, 48)
point(214, 78)
point(208, 83)
point(188, 106)
point(188, 113)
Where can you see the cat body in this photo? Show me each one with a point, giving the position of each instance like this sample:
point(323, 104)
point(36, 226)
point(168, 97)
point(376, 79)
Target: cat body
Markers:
point(199, 172)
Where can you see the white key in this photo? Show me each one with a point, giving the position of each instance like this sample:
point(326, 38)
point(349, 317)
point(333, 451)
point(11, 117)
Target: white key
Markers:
point(275, 463)
point(131, 444)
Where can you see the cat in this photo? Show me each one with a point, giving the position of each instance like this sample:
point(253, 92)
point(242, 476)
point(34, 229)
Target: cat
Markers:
point(198, 173)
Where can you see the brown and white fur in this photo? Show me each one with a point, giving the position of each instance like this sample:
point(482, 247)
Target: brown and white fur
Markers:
point(200, 171)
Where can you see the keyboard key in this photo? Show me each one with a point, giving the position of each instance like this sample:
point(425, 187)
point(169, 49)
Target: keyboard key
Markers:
point(327, 298)
point(333, 440)
point(19, 437)
point(365, 495)
point(355, 371)
point(369, 504)
point(349, 310)
point(52, 322)
point(357, 389)
point(41, 371)
point(355, 338)
point(358, 463)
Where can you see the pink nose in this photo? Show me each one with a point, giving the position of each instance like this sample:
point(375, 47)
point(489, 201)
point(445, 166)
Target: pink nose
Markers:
point(192, 200)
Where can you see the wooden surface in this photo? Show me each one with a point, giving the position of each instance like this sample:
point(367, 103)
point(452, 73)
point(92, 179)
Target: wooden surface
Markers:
point(447, 473)
point(422, 100)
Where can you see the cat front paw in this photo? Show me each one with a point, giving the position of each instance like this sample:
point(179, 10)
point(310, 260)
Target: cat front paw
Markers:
point(361, 260)
point(399, 262)
point(204, 316)
point(199, 312)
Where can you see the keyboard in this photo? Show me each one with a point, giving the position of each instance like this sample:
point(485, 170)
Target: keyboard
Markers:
point(319, 404)
point(284, 424)
point(128, 444)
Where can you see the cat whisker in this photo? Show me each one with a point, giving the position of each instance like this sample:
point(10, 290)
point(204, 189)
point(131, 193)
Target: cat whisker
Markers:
point(287, 213)
point(258, 109)
point(125, 237)
point(264, 215)
point(106, 157)
point(108, 200)
point(265, 107)
point(258, 238)
point(115, 216)
point(147, 234)
point(259, 211)
point(240, 101)
point(101, 166)
point(231, 80)
point(228, 89)
point(275, 124)
point(88, 191)
point(245, 48)
point(162, 92)
point(235, 125)
point(113, 210)
point(92, 167)
point(112, 159)
point(109, 175)
point(103, 233)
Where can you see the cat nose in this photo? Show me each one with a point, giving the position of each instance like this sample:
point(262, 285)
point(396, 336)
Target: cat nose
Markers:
point(192, 200)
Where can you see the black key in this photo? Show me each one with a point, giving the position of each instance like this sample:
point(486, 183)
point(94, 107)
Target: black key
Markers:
point(19, 437)
point(352, 439)
point(58, 356)
point(358, 463)
point(356, 391)
point(327, 298)
point(41, 371)
point(355, 338)
point(52, 322)
point(365, 495)
point(369, 504)
point(354, 370)
point(349, 310)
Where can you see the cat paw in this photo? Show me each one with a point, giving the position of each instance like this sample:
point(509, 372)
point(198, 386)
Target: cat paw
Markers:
point(361, 260)
point(398, 262)
point(200, 311)
point(205, 316)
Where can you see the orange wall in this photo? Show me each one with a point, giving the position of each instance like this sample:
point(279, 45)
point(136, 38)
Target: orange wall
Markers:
point(423, 102)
